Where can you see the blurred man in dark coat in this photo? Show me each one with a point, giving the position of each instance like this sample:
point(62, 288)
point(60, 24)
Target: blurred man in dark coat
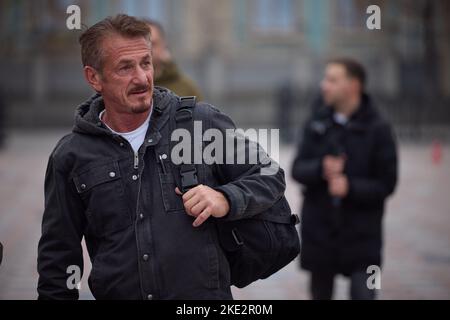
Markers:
point(347, 164)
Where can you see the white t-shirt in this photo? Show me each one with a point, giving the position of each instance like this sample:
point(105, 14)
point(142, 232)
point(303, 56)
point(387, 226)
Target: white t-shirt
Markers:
point(135, 137)
point(340, 118)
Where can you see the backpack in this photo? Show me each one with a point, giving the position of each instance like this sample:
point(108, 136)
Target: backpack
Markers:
point(255, 247)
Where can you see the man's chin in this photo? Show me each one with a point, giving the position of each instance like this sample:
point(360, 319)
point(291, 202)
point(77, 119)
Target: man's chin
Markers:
point(140, 108)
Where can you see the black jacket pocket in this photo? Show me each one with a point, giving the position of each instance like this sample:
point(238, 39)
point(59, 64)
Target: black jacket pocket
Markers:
point(101, 189)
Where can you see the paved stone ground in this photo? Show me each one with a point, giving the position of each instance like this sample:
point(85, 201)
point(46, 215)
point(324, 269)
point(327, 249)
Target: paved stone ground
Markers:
point(417, 227)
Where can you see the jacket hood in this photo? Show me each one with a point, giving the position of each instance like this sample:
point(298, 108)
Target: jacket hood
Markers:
point(87, 119)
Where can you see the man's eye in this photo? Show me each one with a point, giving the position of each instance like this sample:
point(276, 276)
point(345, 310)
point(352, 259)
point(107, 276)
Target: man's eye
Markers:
point(146, 65)
point(125, 68)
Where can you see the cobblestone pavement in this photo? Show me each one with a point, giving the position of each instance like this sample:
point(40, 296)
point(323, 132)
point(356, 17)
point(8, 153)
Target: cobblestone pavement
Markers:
point(417, 227)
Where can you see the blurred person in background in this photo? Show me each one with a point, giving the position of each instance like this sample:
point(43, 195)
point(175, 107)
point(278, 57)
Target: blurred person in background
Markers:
point(167, 73)
point(347, 165)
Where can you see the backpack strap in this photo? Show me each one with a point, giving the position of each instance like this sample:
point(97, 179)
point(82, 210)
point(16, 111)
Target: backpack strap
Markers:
point(184, 120)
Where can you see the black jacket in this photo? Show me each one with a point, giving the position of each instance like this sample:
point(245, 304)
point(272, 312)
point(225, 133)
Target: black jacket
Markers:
point(345, 236)
point(141, 243)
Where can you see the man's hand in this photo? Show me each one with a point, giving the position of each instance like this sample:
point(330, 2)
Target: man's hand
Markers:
point(338, 186)
point(202, 202)
point(333, 165)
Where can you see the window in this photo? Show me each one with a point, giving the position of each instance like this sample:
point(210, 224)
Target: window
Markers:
point(272, 16)
point(154, 9)
point(351, 14)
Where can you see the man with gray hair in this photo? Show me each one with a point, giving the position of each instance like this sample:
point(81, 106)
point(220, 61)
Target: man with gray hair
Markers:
point(110, 181)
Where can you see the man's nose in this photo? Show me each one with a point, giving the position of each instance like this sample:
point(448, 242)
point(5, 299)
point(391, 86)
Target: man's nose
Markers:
point(140, 75)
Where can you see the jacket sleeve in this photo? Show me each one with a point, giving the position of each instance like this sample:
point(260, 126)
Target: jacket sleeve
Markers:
point(251, 186)
point(307, 167)
point(382, 183)
point(62, 230)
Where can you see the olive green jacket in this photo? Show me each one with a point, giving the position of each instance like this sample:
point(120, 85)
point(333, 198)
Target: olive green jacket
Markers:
point(172, 79)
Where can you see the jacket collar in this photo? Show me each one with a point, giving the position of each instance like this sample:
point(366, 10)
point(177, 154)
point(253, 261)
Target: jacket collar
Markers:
point(323, 116)
point(365, 114)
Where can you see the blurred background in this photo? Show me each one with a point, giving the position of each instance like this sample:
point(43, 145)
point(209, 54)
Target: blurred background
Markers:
point(260, 61)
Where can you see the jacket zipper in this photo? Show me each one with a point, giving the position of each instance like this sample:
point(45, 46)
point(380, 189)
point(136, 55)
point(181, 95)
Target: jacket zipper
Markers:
point(136, 160)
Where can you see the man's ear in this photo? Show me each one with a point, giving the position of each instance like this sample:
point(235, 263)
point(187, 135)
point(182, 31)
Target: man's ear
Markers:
point(93, 77)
